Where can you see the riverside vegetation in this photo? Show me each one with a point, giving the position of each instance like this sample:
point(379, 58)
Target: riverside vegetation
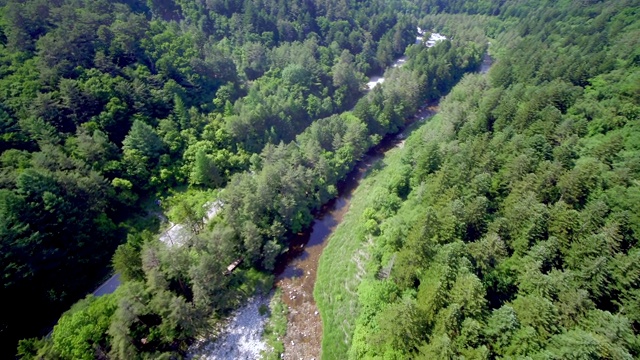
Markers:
point(107, 105)
point(507, 227)
point(510, 232)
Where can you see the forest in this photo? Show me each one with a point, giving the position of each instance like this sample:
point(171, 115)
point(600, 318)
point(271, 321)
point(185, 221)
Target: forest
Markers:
point(107, 107)
point(507, 226)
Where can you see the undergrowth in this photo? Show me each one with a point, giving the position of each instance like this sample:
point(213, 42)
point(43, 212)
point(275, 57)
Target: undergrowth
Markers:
point(350, 255)
point(276, 327)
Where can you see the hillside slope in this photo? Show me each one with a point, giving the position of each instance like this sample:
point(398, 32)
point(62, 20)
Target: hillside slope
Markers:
point(509, 226)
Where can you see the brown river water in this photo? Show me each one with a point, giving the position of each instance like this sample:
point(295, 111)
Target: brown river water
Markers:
point(297, 273)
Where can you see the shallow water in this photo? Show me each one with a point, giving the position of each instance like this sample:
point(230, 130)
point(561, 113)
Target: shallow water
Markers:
point(297, 274)
point(296, 271)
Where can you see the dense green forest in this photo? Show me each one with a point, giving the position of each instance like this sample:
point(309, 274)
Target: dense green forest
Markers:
point(507, 227)
point(106, 106)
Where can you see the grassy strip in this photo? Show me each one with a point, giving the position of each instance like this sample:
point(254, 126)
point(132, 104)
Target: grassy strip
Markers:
point(350, 256)
point(276, 327)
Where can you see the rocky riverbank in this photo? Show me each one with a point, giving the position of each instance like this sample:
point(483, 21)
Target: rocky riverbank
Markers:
point(240, 338)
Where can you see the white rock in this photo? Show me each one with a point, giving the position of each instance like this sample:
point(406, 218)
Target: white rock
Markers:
point(241, 338)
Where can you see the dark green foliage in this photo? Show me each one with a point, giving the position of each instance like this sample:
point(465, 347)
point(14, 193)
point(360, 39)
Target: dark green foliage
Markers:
point(126, 259)
point(54, 222)
point(262, 210)
point(105, 104)
point(525, 244)
point(516, 240)
point(143, 139)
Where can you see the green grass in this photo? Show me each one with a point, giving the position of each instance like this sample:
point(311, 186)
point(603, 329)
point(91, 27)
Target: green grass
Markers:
point(349, 256)
point(276, 327)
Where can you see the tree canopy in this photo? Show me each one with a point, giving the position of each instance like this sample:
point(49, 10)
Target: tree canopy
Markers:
point(516, 235)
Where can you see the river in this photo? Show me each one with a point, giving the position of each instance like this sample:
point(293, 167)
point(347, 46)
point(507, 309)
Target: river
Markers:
point(177, 233)
point(296, 273)
point(297, 279)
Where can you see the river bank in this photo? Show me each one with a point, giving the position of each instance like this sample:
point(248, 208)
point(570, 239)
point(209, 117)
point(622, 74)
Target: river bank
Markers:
point(296, 273)
point(346, 257)
point(297, 281)
point(240, 337)
point(343, 264)
point(295, 277)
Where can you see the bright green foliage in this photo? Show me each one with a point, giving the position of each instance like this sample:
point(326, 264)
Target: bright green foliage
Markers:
point(80, 333)
point(276, 327)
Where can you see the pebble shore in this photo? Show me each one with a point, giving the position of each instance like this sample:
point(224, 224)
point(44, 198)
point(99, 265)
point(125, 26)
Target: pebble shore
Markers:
point(241, 337)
